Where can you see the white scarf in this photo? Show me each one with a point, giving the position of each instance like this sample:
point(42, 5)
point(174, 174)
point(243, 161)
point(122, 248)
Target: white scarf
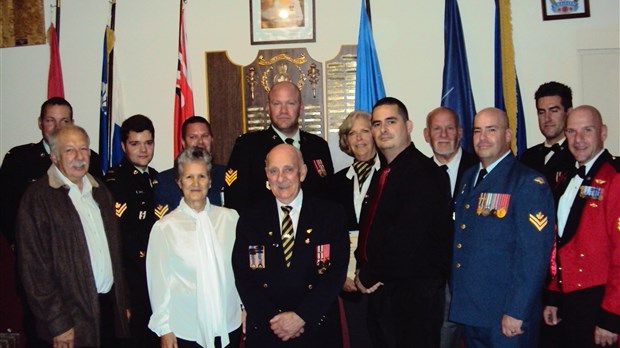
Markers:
point(210, 280)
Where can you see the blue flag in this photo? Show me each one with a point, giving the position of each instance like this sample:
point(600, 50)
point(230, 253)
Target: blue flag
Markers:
point(507, 91)
point(456, 92)
point(368, 81)
point(109, 132)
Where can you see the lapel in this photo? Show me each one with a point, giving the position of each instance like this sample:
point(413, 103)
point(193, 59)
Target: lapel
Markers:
point(304, 235)
point(577, 207)
point(467, 160)
point(499, 173)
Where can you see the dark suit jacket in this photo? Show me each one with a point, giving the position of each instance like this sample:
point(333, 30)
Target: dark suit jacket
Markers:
point(22, 166)
point(245, 179)
point(300, 288)
point(467, 160)
point(340, 190)
point(556, 169)
point(500, 262)
point(410, 236)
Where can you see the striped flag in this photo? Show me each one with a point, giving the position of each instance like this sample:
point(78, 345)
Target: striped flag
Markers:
point(368, 81)
point(110, 118)
point(456, 92)
point(183, 99)
point(507, 92)
point(55, 87)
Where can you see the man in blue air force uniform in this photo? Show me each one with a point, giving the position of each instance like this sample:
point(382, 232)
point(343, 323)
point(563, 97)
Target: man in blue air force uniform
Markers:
point(503, 230)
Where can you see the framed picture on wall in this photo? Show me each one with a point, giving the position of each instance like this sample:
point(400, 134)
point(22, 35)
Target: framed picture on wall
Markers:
point(563, 9)
point(281, 21)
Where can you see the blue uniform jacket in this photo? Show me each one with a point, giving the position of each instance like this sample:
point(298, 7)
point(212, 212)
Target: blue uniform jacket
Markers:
point(500, 257)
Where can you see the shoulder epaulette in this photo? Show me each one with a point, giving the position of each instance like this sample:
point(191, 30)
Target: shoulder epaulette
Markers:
point(615, 162)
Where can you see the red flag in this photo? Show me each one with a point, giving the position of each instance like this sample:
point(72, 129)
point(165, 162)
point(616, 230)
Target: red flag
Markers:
point(55, 86)
point(184, 99)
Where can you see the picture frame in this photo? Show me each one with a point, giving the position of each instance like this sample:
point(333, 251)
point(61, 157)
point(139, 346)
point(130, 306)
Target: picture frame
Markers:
point(282, 21)
point(564, 9)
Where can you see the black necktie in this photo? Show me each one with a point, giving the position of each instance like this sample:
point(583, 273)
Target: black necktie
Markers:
point(447, 178)
point(289, 141)
point(581, 171)
point(481, 175)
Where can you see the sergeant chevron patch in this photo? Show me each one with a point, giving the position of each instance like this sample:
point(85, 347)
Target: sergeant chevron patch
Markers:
point(119, 208)
point(161, 210)
point(539, 221)
point(230, 176)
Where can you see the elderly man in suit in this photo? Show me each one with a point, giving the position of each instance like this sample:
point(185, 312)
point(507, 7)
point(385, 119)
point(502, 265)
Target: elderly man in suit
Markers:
point(290, 261)
point(245, 181)
point(444, 134)
point(503, 231)
point(554, 101)
point(584, 295)
point(69, 256)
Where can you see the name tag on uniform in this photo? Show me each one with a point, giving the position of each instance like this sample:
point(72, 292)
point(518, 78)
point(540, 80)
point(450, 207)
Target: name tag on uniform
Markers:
point(257, 256)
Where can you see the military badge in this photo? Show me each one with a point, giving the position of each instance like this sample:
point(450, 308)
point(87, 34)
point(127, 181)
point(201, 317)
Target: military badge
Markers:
point(319, 167)
point(142, 215)
point(322, 262)
point(599, 181)
point(257, 256)
point(161, 210)
point(308, 231)
point(307, 241)
point(591, 192)
point(230, 176)
point(539, 180)
point(539, 221)
point(495, 204)
point(618, 224)
point(119, 208)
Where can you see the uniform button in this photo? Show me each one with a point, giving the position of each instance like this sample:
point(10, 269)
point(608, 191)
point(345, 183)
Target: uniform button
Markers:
point(578, 285)
point(265, 286)
point(560, 268)
point(463, 226)
point(559, 281)
point(580, 270)
point(310, 286)
point(581, 255)
point(459, 245)
point(466, 206)
point(141, 253)
point(458, 265)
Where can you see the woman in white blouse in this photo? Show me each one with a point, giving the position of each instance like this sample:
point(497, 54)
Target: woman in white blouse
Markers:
point(188, 265)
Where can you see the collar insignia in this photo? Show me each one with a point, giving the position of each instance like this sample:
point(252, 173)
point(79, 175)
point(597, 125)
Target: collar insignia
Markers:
point(539, 180)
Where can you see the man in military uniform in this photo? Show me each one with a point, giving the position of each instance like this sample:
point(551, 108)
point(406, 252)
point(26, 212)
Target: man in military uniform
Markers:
point(444, 135)
point(583, 298)
point(131, 183)
point(552, 158)
point(503, 231)
point(245, 181)
point(25, 164)
point(290, 261)
point(195, 132)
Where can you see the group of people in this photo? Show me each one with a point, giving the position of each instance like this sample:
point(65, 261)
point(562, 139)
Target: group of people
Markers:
point(275, 250)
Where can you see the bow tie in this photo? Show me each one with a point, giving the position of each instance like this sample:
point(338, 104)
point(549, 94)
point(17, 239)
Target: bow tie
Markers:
point(581, 171)
point(555, 148)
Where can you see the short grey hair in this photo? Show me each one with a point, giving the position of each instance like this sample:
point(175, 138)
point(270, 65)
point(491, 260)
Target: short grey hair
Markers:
point(192, 154)
point(70, 128)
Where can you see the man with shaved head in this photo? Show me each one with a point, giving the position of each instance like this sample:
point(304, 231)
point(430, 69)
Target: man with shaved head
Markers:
point(583, 297)
point(290, 260)
point(503, 231)
point(245, 181)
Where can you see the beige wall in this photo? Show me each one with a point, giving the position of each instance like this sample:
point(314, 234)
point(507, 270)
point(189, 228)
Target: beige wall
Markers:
point(408, 35)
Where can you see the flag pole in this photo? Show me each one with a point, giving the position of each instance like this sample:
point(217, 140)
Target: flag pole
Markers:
point(110, 125)
point(58, 20)
point(367, 12)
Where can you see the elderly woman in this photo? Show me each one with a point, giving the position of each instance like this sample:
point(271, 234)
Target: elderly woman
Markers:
point(189, 272)
point(349, 187)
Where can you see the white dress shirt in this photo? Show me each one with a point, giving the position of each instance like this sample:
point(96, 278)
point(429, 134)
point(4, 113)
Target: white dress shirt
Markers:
point(190, 277)
point(94, 231)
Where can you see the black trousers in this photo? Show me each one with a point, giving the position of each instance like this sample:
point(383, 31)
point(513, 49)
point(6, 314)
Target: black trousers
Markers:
point(407, 313)
point(578, 312)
